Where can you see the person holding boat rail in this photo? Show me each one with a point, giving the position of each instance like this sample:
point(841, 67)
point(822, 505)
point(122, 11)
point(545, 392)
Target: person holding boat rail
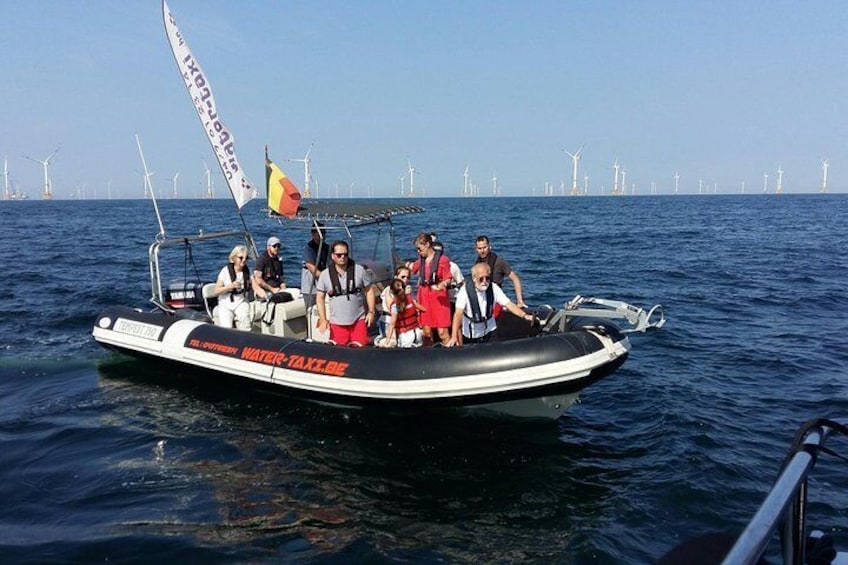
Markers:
point(231, 288)
point(434, 277)
point(474, 320)
point(268, 275)
point(315, 255)
point(345, 299)
point(499, 268)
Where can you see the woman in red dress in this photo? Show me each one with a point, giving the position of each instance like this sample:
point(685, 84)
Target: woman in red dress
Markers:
point(434, 276)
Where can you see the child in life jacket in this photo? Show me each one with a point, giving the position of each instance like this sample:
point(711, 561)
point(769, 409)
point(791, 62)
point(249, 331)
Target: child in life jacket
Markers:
point(404, 325)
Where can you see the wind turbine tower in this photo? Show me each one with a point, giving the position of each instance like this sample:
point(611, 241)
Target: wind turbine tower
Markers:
point(403, 185)
point(48, 189)
point(676, 182)
point(623, 182)
point(176, 194)
point(575, 158)
point(825, 165)
point(765, 182)
point(615, 167)
point(585, 184)
point(412, 171)
point(494, 184)
point(465, 182)
point(210, 187)
point(307, 176)
point(779, 189)
point(6, 194)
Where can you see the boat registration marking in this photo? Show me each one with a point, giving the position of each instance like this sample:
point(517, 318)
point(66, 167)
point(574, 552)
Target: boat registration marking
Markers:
point(137, 329)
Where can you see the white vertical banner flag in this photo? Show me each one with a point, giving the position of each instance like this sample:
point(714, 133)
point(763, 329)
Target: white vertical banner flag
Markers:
point(200, 92)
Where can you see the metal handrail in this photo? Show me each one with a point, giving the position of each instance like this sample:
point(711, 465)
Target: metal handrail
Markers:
point(785, 504)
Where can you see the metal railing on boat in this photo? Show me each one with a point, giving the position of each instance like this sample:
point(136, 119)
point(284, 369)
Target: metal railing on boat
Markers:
point(784, 508)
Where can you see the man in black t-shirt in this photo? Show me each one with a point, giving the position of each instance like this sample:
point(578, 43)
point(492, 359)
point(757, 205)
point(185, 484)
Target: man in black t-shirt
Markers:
point(499, 267)
point(268, 274)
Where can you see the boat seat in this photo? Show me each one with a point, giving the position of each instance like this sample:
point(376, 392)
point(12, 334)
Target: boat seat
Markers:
point(210, 301)
point(286, 319)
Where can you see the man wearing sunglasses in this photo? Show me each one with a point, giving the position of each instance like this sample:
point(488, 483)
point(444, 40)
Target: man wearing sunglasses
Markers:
point(268, 273)
point(474, 319)
point(345, 300)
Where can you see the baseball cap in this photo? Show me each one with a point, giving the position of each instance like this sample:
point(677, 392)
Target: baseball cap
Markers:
point(274, 240)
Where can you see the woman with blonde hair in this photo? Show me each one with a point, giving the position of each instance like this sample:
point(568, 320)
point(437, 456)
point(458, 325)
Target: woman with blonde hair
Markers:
point(231, 289)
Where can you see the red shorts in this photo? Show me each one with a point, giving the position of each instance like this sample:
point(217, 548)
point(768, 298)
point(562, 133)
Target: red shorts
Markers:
point(356, 331)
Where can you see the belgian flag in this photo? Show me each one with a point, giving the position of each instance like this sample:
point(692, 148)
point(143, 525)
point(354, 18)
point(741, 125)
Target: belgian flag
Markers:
point(283, 195)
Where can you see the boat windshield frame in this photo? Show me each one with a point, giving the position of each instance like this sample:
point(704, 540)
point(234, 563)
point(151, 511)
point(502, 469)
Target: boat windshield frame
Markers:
point(157, 292)
point(346, 218)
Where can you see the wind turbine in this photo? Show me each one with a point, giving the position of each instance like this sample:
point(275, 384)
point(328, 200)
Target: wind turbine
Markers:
point(6, 194)
point(615, 167)
point(174, 179)
point(465, 182)
point(676, 181)
point(765, 182)
point(494, 184)
point(307, 177)
point(210, 187)
point(585, 184)
point(402, 187)
point(48, 190)
point(412, 171)
point(575, 158)
point(779, 189)
point(825, 165)
point(623, 182)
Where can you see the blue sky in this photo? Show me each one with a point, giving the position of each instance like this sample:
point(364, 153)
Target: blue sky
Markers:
point(719, 91)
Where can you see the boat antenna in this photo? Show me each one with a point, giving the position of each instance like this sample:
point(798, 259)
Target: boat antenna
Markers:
point(161, 235)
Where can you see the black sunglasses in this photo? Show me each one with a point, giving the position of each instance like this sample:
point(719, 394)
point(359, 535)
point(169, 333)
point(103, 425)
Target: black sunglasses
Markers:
point(276, 246)
point(340, 254)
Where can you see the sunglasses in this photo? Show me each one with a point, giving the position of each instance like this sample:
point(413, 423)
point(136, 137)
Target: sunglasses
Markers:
point(340, 254)
point(403, 277)
point(276, 246)
point(484, 279)
point(240, 258)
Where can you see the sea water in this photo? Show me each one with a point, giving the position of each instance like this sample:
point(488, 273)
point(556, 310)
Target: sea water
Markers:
point(103, 458)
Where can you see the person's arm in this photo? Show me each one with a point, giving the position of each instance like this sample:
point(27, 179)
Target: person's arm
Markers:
point(260, 282)
point(516, 282)
point(320, 304)
point(390, 331)
point(371, 301)
point(514, 309)
point(257, 288)
point(456, 329)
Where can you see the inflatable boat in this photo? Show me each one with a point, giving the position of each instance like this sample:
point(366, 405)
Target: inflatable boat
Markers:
point(534, 371)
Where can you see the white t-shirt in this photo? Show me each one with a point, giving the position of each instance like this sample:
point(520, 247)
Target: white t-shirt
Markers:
point(224, 299)
point(477, 330)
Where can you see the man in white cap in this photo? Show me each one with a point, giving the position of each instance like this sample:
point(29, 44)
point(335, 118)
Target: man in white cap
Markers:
point(268, 274)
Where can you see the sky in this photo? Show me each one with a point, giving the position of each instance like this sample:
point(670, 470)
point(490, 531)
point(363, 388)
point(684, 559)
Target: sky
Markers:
point(721, 92)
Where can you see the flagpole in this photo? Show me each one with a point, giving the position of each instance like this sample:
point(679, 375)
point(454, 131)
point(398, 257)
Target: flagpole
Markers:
point(149, 186)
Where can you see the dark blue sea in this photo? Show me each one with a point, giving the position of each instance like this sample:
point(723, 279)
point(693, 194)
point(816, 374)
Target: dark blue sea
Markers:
point(106, 459)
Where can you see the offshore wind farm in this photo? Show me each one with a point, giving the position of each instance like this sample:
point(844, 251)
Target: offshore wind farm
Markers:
point(375, 100)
